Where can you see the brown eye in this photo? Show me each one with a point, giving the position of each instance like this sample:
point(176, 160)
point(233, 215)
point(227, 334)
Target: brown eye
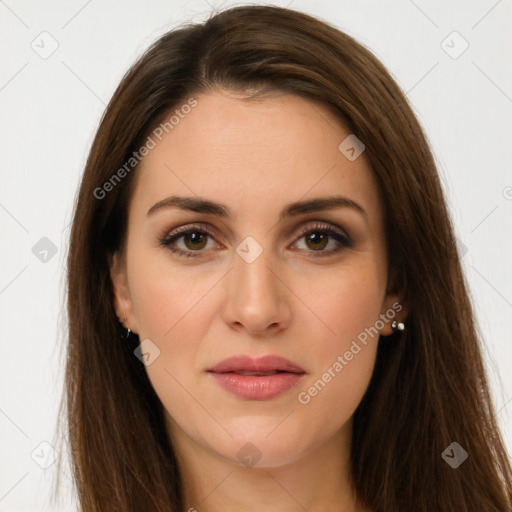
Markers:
point(195, 240)
point(316, 240)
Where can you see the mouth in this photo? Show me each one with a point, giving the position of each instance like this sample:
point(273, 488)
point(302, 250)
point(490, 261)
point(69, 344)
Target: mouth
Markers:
point(262, 365)
point(252, 373)
point(256, 379)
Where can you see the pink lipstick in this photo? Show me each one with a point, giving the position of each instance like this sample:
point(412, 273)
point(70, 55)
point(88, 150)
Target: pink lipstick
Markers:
point(260, 378)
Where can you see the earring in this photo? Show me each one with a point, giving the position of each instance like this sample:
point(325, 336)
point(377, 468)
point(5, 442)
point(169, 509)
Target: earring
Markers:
point(128, 332)
point(397, 326)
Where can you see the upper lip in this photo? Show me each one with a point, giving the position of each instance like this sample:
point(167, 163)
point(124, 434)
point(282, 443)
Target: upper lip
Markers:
point(260, 364)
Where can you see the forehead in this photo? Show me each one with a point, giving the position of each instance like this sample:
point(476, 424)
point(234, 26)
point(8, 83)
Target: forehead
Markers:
point(252, 155)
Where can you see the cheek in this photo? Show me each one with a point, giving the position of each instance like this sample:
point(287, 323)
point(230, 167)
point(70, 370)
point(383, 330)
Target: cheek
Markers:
point(343, 358)
point(164, 298)
point(172, 309)
point(346, 303)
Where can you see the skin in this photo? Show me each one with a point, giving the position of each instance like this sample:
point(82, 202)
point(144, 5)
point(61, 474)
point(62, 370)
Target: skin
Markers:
point(255, 158)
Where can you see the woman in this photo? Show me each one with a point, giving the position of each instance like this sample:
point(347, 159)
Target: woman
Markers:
point(266, 305)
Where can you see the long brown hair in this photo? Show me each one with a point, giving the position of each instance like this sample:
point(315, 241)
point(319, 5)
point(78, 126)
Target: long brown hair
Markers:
point(429, 387)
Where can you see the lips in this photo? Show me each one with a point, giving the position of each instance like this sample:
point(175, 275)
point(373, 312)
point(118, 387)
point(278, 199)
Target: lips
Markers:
point(245, 365)
point(256, 379)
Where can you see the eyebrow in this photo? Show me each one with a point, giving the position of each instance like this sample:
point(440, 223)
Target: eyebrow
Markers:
point(200, 205)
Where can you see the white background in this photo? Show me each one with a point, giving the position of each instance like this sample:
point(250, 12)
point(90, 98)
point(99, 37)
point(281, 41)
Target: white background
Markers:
point(51, 109)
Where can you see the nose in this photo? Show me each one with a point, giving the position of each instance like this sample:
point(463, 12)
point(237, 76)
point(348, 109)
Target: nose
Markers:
point(257, 299)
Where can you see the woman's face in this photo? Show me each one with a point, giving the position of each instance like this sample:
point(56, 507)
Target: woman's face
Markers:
point(261, 279)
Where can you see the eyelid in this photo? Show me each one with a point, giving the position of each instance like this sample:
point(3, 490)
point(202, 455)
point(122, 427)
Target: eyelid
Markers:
point(324, 226)
point(340, 235)
point(310, 225)
point(168, 237)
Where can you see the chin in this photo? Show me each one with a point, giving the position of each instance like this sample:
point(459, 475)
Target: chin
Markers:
point(255, 448)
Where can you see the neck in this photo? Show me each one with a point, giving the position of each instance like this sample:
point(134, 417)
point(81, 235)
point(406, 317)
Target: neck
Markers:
point(318, 481)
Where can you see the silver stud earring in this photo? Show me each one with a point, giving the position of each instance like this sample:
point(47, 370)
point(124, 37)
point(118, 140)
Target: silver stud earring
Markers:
point(128, 332)
point(397, 326)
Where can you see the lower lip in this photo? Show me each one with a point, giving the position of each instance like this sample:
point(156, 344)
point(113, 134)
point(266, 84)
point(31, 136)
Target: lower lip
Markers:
point(254, 387)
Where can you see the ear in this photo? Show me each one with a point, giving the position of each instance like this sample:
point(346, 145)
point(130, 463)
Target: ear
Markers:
point(121, 292)
point(393, 308)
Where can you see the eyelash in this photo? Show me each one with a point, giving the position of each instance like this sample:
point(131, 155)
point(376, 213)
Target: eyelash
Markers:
point(166, 240)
